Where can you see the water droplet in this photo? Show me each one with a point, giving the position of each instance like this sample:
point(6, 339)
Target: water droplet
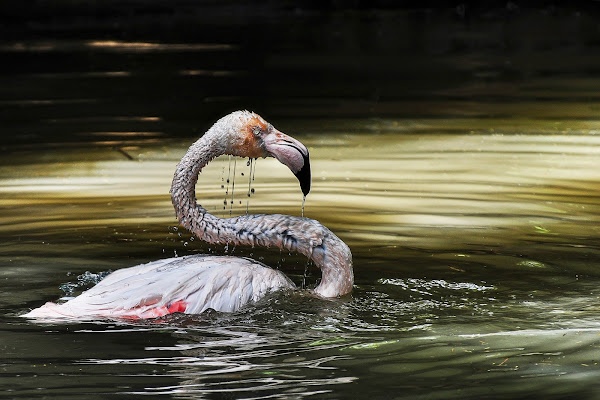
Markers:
point(252, 190)
point(222, 186)
point(242, 174)
point(303, 203)
point(248, 163)
point(185, 244)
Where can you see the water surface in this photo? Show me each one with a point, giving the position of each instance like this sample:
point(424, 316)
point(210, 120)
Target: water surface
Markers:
point(458, 156)
point(475, 257)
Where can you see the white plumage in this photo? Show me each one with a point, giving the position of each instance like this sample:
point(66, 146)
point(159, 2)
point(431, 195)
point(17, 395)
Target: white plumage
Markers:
point(190, 284)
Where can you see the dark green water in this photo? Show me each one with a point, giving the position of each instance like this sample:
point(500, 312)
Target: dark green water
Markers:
point(463, 173)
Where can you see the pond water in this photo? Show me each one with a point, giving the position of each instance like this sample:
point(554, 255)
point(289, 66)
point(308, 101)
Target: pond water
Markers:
point(462, 169)
point(475, 256)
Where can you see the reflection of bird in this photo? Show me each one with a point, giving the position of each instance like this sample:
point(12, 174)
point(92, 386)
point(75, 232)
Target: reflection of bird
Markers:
point(195, 283)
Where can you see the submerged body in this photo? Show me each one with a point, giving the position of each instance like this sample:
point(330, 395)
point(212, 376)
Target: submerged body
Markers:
point(196, 283)
point(189, 284)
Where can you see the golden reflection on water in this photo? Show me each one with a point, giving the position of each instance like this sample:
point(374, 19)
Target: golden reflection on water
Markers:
point(109, 45)
point(455, 195)
point(117, 45)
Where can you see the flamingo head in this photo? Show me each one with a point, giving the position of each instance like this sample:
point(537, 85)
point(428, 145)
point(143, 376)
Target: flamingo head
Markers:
point(258, 138)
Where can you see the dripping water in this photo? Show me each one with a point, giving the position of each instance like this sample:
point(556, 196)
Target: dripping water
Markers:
point(232, 185)
point(303, 203)
point(227, 188)
point(230, 190)
point(305, 275)
point(228, 176)
point(252, 164)
point(223, 182)
point(278, 266)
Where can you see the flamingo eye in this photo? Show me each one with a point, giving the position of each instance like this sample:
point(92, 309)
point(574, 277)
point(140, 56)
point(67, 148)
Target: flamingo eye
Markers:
point(256, 130)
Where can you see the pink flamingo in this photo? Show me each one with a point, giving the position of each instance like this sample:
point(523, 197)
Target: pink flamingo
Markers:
point(195, 283)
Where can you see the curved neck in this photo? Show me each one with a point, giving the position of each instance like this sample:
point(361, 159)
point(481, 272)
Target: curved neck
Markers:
point(302, 235)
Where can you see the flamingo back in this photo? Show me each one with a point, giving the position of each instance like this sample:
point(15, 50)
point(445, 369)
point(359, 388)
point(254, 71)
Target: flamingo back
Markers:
point(190, 284)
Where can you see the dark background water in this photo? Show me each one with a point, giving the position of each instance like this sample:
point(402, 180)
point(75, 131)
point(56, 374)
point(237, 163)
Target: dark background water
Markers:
point(69, 67)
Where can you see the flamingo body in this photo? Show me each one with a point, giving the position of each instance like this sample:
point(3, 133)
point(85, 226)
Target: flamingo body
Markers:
point(190, 284)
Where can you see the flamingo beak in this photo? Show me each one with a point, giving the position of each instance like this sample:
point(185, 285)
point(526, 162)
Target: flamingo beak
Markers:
point(292, 154)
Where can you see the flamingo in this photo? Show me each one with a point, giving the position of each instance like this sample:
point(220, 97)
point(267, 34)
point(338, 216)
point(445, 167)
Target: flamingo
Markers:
point(196, 283)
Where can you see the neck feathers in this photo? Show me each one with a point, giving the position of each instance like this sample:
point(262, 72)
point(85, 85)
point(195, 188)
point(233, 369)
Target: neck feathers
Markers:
point(302, 235)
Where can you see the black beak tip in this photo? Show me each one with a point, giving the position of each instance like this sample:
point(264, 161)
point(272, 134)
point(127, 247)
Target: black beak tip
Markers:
point(304, 176)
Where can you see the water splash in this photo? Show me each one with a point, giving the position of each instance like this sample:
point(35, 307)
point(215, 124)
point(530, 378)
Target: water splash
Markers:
point(84, 281)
